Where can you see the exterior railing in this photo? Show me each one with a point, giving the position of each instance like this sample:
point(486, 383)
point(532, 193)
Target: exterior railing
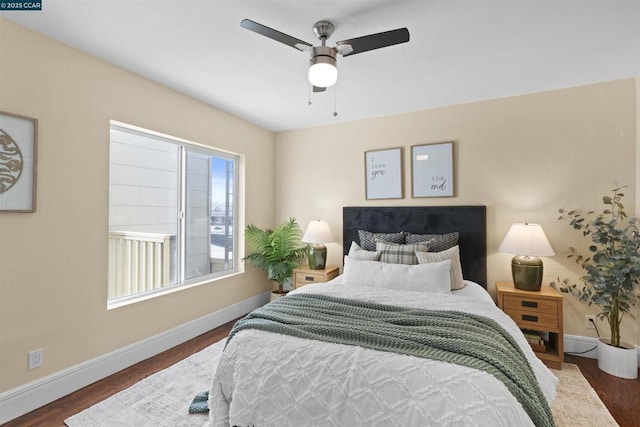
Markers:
point(138, 262)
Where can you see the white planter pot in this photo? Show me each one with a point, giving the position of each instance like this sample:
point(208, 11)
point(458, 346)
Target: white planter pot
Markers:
point(621, 362)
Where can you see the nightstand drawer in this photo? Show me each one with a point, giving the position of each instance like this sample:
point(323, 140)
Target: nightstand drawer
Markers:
point(534, 319)
point(537, 305)
point(304, 277)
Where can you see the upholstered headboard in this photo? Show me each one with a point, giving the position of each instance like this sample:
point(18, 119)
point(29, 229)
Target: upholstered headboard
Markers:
point(469, 221)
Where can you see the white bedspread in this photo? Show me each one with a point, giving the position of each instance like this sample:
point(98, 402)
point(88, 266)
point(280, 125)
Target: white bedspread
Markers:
point(267, 379)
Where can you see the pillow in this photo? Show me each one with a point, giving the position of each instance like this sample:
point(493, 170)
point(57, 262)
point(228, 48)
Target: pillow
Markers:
point(453, 254)
point(400, 254)
point(432, 277)
point(355, 251)
point(368, 239)
point(438, 242)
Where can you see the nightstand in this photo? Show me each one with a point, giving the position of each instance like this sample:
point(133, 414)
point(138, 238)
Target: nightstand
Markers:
point(538, 311)
point(304, 275)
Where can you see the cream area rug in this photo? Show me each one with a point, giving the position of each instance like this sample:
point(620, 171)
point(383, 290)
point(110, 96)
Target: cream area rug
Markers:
point(163, 399)
point(577, 403)
point(159, 400)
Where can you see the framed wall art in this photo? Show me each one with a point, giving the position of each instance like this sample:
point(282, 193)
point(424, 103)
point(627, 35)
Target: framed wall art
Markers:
point(432, 173)
point(384, 174)
point(18, 153)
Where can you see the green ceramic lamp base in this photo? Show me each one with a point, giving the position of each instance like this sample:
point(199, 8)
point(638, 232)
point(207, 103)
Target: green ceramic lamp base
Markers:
point(527, 272)
point(317, 256)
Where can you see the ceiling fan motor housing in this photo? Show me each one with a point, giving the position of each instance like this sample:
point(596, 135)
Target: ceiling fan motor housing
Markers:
point(323, 55)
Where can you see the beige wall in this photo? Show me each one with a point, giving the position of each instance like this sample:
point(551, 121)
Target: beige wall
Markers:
point(523, 157)
point(53, 262)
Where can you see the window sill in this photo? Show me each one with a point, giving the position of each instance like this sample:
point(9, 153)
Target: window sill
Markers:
point(125, 301)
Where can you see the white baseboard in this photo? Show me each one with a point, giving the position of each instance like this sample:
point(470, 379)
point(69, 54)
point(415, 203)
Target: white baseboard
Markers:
point(26, 398)
point(574, 344)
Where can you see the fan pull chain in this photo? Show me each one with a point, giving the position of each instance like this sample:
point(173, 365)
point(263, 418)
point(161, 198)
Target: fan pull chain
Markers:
point(335, 100)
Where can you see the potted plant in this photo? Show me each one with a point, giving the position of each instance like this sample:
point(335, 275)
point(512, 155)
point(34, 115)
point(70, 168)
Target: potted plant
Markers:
point(277, 251)
point(612, 273)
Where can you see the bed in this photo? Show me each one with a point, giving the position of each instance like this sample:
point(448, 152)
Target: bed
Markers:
point(331, 354)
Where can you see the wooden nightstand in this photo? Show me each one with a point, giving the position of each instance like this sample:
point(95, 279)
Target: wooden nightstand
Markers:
point(539, 311)
point(304, 275)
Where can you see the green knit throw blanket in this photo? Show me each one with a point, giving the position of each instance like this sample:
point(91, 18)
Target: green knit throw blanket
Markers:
point(449, 336)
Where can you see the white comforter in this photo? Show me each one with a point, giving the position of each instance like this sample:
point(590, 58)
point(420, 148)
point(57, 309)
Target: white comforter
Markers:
point(267, 379)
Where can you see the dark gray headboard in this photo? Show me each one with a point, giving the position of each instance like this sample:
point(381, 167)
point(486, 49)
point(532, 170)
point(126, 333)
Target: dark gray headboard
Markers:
point(469, 221)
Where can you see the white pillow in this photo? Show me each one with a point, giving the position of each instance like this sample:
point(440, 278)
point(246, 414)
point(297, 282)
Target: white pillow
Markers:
point(453, 254)
point(432, 277)
point(357, 252)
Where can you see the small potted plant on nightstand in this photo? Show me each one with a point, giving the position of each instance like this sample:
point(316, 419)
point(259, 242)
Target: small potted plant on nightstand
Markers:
point(612, 274)
point(277, 252)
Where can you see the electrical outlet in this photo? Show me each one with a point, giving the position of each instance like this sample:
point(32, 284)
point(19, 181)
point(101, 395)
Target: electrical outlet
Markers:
point(589, 321)
point(35, 358)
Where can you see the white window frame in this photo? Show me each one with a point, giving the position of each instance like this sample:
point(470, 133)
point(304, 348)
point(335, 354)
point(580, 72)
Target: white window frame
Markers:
point(181, 281)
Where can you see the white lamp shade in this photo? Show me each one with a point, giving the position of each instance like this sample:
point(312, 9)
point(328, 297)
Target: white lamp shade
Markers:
point(323, 75)
point(318, 232)
point(526, 239)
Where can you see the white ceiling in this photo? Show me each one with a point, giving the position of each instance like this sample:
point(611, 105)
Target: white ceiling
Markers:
point(460, 51)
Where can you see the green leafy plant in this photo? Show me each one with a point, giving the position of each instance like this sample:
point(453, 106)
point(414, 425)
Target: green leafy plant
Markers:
point(613, 269)
point(277, 252)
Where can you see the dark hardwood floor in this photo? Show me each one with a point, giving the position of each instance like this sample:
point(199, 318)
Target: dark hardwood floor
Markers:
point(622, 397)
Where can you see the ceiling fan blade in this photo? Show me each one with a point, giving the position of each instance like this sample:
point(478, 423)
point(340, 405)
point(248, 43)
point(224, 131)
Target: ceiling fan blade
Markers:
point(275, 35)
point(375, 41)
point(319, 89)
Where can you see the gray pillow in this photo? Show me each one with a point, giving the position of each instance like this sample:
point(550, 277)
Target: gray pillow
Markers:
point(369, 239)
point(437, 242)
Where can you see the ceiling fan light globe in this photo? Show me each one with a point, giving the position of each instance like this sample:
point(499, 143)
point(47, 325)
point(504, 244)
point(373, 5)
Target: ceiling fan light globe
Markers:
point(323, 75)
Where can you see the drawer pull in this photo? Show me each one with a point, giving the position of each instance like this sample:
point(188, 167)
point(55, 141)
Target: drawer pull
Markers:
point(309, 278)
point(529, 318)
point(531, 304)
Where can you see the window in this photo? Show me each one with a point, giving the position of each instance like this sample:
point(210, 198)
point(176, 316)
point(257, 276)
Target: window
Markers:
point(172, 214)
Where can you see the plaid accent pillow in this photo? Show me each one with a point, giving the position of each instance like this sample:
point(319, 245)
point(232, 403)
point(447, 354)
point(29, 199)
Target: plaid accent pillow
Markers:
point(400, 254)
point(368, 239)
point(453, 254)
point(438, 242)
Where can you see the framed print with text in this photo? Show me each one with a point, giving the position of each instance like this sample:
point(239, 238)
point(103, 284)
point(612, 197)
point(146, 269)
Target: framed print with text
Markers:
point(18, 149)
point(432, 173)
point(383, 174)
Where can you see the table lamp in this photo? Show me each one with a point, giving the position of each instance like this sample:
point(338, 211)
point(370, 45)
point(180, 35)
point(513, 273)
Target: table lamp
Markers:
point(527, 242)
point(316, 234)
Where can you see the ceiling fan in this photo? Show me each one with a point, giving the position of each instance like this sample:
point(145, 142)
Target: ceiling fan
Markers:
point(323, 72)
